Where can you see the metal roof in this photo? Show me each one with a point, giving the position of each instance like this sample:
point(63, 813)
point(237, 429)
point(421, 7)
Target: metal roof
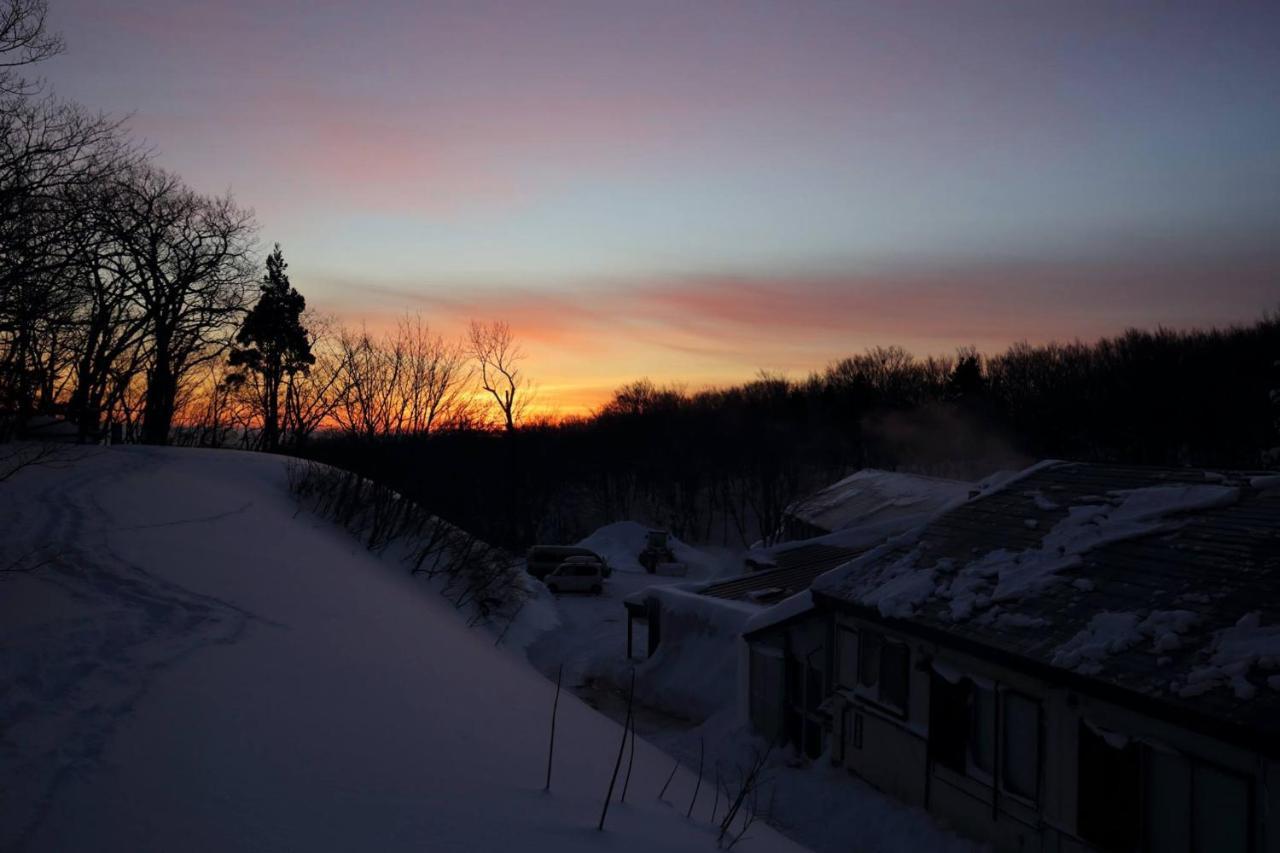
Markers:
point(796, 570)
point(1221, 563)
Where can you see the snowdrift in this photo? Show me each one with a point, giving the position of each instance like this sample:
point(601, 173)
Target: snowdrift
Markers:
point(196, 664)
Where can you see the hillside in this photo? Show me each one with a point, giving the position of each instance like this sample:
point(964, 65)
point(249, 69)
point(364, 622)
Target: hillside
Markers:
point(194, 664)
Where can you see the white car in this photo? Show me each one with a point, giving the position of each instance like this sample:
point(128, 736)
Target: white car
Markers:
point(578, 574)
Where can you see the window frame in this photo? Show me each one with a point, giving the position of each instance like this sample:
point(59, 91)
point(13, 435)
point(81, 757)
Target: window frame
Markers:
point(1194, 766)
point(844, 632)
point(1002, 746)
point(885, 645)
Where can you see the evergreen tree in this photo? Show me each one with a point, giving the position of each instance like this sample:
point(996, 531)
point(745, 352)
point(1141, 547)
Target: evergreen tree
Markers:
point(273, 342)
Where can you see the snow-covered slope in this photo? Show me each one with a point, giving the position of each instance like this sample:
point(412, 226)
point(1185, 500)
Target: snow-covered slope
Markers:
point(201, 667)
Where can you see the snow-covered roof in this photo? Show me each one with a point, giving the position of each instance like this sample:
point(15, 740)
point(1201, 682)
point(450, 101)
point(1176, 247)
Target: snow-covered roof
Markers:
point(1160, 582)
point(874, 495)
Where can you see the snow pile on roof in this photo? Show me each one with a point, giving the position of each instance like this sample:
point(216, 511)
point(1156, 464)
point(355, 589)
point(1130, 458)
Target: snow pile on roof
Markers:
point(620, 544)
point(201, 661)
point(1233, 654)
point(871, 494)
point(693, 673)
point(1002, 575)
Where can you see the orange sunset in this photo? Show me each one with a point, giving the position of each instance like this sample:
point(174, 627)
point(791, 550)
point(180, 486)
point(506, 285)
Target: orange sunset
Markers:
point(601, 426)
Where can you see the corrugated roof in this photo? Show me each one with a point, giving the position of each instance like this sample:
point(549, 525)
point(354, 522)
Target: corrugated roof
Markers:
point(796, 570)
point(1221, 563)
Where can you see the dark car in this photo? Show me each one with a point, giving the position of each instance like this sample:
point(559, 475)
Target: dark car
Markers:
point(542, 560)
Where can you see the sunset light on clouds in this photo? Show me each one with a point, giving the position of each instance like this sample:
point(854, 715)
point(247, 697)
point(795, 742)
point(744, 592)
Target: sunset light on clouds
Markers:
point(696, 191)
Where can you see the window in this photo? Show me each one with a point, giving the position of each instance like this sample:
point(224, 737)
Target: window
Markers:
point(1167, 800)
point(982, 729)
point(846, 657)
point(894, 674)
point(948, 721)
point(1108, 792)
point(883, 671)
point(1020, 748)
point(1194, 807)
point(1219, 810)
point(869, 659)
point(766, 692)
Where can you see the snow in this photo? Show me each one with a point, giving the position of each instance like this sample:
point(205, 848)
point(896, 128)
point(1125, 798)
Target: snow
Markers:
point(1265, 481)
point(694, 671)
point(205, 668)
point(1106, 634)
point(1111, 633)
point(826, 807)
point(1234, 653)
point(620, 544)
point(874, 495)
point(788, 608)
point(1002, 576)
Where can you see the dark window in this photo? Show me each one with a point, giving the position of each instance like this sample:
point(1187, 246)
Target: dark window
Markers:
point(846, 657)
point(869, 659)
point(1020, 748)
point(894, 674)
point(857, 731)
point(982, 729)
point(1193, 807)
point(1220, 812)
point(1167, 802)
point(1108, 796)
point(948, 722)
point(814, 694)
point(766, 693)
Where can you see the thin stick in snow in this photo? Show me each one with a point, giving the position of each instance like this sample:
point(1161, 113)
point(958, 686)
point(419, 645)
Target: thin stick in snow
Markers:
point(674, 768)
point(551, 750)
point(716, 801)
point(702, 751)
point(631, 758)
point(621, 746)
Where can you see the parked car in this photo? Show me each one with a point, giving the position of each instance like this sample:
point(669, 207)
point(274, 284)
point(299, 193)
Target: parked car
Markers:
point(542, 560)
point(578, 574)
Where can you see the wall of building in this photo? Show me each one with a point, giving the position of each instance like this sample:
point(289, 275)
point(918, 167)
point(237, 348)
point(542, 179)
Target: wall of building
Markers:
point(884, 738)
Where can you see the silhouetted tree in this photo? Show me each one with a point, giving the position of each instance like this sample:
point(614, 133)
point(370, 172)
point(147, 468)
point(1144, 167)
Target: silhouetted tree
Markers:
point(498, 357)
point(273, 343)
point(188, 260)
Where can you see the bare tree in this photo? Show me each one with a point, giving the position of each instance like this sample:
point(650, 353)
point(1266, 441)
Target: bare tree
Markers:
point(498, 358)
point(311, 398)
point(370, 404)
point(188, 258)
point(24, 41)
point(433, 381)
point(53, 160)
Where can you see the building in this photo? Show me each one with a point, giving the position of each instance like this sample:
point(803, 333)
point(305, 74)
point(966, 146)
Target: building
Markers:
point(1084, 658)
point(850, 517)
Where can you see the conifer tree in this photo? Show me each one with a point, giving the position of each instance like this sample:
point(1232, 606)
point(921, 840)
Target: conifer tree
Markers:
point(273, 342)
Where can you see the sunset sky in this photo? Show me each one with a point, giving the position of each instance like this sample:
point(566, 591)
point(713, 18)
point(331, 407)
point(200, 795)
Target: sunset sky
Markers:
point(693, 190)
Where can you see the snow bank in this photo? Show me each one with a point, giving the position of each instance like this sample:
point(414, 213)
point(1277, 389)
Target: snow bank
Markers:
point(203, 668)
point(620, 544)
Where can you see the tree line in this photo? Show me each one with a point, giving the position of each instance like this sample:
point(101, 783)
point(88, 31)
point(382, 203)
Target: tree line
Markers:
point(127, 301)
point(723, 465)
